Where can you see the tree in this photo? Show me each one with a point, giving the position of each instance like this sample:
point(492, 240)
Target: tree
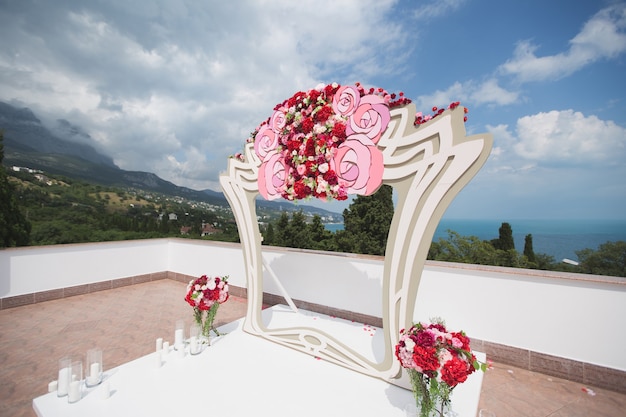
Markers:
point(268, 236)
point(14, 227)
point(505, 240)
point(609, 259)
point(321, 238)
point(528, 248)
point(366, 223)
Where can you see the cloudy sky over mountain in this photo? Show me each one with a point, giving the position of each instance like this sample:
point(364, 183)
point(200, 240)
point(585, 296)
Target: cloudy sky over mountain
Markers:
point(175, 87)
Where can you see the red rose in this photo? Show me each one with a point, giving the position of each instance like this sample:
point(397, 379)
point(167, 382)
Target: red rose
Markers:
point(307, 125)
point(455, 371)
point(323, 114)
point(300, 189)
point(331, 177)
point(426, 358)
point(313, 95)
point(310, 148)
point(293, 145)
point(339, 130)
point(309, 167)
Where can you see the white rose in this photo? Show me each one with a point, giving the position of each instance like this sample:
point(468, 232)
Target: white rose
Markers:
point(409, 344)
point(211, 284)
point(323, 168)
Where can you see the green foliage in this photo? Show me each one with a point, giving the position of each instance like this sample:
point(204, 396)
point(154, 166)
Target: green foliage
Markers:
point(529, 253)
point(14, 226)
point(63, 210)
point(505, 240)
point(609, 259)
point(366, 223)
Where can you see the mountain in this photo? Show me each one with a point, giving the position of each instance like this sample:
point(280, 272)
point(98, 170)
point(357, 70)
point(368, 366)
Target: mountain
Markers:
point(28, 143)
point(24, 129)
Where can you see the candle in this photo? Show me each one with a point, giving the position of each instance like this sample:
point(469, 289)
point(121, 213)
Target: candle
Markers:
point(193, 345)
point(178, 338)
point(159, 344)
point(166, 347)
point(94, 374)
point(73, 393)
point(52, 386)
point(63, 381)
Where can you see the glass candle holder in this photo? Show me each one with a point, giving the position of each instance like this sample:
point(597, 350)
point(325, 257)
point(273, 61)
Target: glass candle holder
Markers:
point(179, 335)
point(93, 367)
point(194, 339)
point(75, 389)
point(65, 373)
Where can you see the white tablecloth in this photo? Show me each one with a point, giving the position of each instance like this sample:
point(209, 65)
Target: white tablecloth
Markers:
point(245, 375)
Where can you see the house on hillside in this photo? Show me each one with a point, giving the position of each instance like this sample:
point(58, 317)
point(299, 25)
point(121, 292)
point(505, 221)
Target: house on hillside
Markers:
point(208, 229)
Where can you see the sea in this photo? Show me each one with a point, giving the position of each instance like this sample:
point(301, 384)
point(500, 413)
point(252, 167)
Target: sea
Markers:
point(558, 238)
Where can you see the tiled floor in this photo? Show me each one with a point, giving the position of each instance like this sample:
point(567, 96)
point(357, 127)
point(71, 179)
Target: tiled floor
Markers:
point(125, 322)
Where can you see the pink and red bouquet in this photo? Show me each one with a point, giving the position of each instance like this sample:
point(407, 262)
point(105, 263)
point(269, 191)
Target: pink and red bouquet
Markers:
point(205, 294)
point(322, 143)
point(436, 360)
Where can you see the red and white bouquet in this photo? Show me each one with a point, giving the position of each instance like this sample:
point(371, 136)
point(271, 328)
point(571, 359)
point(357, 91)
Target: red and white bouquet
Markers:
point(205, 294)
point(436, 360)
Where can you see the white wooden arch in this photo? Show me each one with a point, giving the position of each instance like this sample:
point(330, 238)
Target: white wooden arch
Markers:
point(427, 166)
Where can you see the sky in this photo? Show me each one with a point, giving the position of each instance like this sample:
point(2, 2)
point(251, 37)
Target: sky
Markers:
point(176, 87)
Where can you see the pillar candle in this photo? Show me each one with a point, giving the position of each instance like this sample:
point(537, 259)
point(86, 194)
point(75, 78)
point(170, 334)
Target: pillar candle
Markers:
point(63, 381)
point(73, 393)
point(178, 338)
point(159, 344)
point(193, 345)
point(94, 374)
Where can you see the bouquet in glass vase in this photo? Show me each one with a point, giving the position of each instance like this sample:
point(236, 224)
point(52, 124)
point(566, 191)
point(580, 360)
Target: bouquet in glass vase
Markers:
point(436, 361)
point(205, 294)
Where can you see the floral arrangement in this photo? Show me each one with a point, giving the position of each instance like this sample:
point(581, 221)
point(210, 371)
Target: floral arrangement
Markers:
point(436, 360)
point(205, 294)
point(322, 143)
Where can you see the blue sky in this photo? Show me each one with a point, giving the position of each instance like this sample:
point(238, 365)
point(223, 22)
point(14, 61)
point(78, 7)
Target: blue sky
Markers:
point(175, 87)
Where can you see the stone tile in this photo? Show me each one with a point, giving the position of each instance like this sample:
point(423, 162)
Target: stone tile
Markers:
point(77, 290)
point(559, 367)
point(49, 295)
point(17, 301)
point(100, 286)
point(121, 282)
point(139, 279)
point(507, 354)
point(602, 377)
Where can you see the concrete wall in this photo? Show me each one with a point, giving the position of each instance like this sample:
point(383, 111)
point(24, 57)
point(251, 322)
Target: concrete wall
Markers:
point(573, 316)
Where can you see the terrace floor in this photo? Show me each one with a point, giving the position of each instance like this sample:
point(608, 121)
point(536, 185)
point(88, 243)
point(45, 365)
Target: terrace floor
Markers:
point(125, 322)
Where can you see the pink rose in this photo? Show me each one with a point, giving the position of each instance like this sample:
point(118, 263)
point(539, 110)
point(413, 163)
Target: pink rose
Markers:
point(265, 141)
point(370, 118)
point(359, 165)
point(278, 120)
point(346, 100)
point(272, 176)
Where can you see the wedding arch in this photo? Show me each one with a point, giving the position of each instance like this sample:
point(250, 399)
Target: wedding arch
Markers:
point(332, 128)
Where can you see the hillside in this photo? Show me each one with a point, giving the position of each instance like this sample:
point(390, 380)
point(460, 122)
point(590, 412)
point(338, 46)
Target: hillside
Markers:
point(28, 143)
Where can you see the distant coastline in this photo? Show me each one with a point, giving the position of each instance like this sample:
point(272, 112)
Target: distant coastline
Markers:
point(558, 238)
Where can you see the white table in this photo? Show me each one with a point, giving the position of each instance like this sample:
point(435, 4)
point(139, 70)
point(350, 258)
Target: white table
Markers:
point(245, 375)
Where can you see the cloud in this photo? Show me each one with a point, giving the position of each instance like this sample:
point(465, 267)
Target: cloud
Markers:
point(570, 137)
point(174, 88)
point(602, 36)
point(469, 93)
point(436, 8)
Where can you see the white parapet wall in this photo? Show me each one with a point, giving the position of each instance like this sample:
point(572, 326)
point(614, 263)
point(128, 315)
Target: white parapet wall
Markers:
point(573, 316)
